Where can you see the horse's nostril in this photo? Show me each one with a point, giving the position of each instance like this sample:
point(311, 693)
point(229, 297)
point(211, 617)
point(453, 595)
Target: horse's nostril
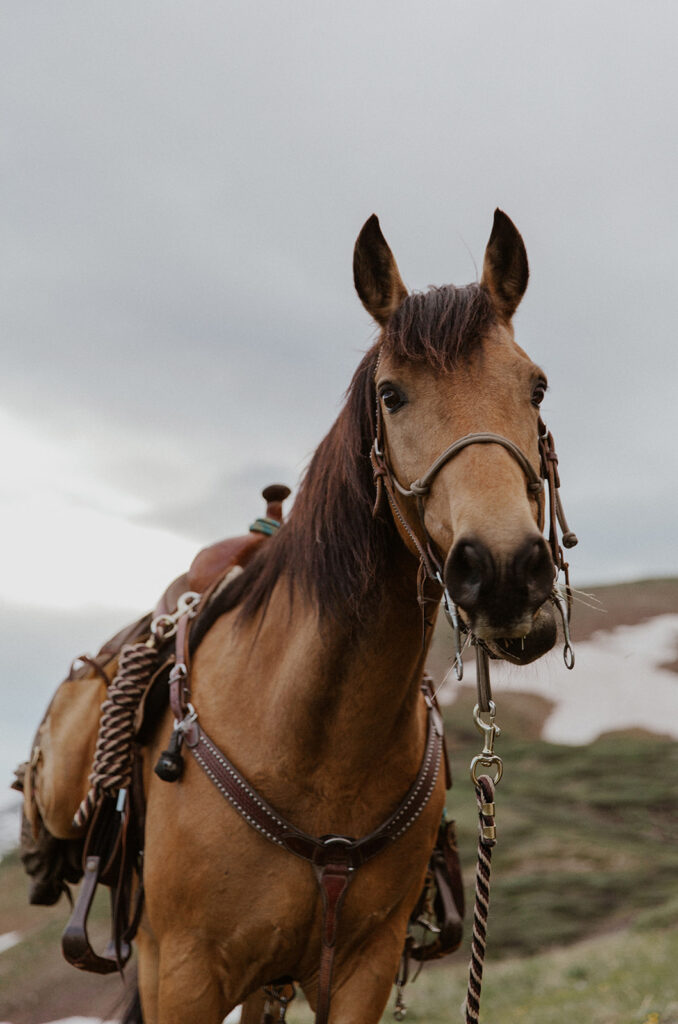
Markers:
point(533, 556)
point(468, 573)
point(534, 565)
point(474, 563)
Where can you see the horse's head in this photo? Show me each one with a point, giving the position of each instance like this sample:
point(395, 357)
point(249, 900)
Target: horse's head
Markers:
point(449, 367)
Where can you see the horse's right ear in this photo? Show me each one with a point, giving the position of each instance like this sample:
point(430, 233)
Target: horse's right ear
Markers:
point(505, 267)
point(375, 273)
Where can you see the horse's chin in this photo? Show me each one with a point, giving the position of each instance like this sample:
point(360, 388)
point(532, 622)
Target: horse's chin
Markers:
point(539, 639)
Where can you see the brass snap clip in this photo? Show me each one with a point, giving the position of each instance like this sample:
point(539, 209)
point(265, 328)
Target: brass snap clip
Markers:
point(163, 627)
point(487, 758)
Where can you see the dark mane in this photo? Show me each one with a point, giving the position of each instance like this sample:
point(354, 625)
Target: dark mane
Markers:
point(331, 547)
point(440, 326)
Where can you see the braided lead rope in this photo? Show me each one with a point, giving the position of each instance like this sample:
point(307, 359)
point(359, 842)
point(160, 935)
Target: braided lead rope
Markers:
point(112, 765)
point(487, 838)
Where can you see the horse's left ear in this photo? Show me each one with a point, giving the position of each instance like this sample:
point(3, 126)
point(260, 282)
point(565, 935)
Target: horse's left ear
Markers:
point(375, 273)
point(505, 267)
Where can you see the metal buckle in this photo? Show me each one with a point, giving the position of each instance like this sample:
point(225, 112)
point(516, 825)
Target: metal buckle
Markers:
point(337, 841)
point(163, 627)
point(189, 718)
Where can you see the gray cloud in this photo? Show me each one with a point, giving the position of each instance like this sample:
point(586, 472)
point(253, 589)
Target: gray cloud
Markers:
point(183, 189)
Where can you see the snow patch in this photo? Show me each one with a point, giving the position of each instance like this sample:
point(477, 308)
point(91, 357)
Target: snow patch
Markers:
point(617, 683)
point(8, 940)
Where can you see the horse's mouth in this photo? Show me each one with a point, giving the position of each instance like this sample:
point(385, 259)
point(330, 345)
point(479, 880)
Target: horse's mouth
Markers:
point(538, 640)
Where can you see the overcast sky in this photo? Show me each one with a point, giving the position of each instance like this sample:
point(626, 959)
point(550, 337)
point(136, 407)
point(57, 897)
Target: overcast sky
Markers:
point(182, 185)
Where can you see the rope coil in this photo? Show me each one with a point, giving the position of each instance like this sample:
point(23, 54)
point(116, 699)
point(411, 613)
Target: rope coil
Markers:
point(112, 765)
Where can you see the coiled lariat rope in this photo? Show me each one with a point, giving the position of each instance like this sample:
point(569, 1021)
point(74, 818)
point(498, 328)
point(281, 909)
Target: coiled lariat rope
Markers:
point(486, 840)
point(112, 765)
point(113, 756)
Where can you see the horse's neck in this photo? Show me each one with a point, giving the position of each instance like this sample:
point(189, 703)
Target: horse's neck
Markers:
point(344, 692)
point(334, 692)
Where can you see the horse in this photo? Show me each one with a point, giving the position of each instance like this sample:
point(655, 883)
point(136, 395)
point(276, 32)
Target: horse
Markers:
point(306, 667)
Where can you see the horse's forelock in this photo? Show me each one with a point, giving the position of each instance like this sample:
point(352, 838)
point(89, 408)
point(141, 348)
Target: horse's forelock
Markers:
point(440, 326)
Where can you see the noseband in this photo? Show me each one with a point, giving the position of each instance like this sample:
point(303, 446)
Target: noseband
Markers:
point(421, 487)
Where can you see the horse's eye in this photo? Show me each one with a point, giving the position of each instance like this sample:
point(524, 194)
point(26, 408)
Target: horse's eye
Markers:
point(392, 398)
point(539, 393)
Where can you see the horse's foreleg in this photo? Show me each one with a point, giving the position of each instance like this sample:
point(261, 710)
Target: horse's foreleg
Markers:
point(362, 986)
point(147, 974)
point(189, 989)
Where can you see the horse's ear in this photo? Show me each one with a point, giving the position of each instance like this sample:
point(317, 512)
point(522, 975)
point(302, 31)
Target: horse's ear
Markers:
point(375, 273)
point(505, 267)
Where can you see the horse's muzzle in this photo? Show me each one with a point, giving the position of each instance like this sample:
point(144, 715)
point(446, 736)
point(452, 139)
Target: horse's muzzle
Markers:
point(504, 600)
point(539, 640)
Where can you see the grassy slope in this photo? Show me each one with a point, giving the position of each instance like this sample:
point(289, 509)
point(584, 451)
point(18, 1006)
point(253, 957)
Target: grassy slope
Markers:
point(587, 836)
point(626, 978)
point(584, 897)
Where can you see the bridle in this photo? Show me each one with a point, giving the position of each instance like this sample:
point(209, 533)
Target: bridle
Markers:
point(431, 567)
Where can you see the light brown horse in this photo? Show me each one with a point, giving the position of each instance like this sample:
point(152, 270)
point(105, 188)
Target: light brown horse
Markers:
point(306, 671)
